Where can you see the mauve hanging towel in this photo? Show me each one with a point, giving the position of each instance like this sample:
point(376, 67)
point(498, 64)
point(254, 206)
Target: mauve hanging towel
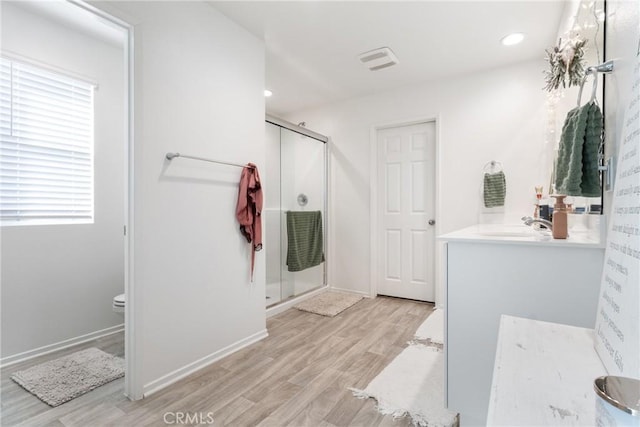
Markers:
point(249, 209)
point(304, 238)
point(577, 165)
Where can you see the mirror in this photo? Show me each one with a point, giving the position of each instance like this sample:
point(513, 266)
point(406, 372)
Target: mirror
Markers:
point(583, 24)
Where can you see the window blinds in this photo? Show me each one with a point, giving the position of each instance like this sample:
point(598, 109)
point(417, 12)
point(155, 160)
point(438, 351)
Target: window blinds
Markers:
point(46, 146)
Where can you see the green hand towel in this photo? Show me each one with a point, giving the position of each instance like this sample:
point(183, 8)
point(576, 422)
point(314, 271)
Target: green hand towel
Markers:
point(577, 164)
point(495, 189)
point(305, 241)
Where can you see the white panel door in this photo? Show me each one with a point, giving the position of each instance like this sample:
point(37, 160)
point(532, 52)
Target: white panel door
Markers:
point(406, 211)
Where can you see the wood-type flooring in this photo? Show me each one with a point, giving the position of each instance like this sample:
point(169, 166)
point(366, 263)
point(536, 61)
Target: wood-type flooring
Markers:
point(299, 376)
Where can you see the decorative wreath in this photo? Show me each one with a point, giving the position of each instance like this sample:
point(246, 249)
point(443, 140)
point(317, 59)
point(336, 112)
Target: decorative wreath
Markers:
point(566, 64)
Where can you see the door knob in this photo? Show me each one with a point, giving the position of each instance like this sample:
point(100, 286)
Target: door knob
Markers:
point(432, 222)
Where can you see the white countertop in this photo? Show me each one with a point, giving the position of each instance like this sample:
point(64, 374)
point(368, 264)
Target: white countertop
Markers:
point(522, 235)
point(543, 375)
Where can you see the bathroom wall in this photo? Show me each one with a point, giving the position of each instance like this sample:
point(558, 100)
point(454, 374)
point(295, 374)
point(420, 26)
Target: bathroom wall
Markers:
point(199, 82)
point(618, 316)
point(623, 43)
point(496, 114)
point(58, 281)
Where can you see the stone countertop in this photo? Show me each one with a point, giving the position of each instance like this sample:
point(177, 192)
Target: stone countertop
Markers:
point(521, 234)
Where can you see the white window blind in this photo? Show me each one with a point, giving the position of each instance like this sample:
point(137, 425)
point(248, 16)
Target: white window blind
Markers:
point(46, 146)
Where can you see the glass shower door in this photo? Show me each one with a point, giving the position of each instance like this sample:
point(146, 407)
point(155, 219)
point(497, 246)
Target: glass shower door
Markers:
point(302, 189)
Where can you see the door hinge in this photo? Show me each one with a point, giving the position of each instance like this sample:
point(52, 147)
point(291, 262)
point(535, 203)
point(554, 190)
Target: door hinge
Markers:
point(125, 230)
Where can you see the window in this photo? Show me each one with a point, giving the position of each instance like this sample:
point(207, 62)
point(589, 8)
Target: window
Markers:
point(46, 146)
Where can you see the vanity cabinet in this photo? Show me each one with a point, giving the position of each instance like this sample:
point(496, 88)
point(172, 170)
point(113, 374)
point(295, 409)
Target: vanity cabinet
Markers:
point(491, 274)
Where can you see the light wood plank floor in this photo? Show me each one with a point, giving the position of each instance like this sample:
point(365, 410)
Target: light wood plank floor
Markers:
point(298, 376)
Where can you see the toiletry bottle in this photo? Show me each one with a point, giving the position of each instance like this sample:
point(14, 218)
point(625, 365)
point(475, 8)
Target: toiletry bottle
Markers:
point(544, 211)
point(559, 218)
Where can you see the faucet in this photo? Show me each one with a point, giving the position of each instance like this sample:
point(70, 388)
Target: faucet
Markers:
point(537, 222)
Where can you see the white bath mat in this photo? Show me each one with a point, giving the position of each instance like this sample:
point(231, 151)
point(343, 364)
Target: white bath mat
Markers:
point(412, 384)
point(432, 329)
point(60, 380)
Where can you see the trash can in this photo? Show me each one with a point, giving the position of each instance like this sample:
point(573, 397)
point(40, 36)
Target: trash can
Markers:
point(617, 401)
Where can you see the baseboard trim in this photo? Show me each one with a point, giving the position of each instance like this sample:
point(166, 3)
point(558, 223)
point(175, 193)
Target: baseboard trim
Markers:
point(41, 351)
point(350, 291)
point(178, 374)
point(279, 308)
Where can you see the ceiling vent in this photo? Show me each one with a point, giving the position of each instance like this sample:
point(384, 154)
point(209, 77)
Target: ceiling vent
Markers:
point(378, 59)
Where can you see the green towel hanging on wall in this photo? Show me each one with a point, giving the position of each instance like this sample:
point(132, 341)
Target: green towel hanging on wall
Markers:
point(305, 241)
point(577, 164)
point(495, 189)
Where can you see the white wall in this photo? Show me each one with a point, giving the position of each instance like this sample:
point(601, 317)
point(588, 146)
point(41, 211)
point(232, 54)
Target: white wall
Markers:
point(623, 43)
point(58, 281)
point(199, 82)
point(618, 329)
point(498, 114)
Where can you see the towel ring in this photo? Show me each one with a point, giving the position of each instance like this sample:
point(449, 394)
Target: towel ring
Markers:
point(595, 70)
point(594, 87)
point(492, 164)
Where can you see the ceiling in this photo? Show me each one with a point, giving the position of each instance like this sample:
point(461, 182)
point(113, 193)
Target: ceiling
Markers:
point(312, 47)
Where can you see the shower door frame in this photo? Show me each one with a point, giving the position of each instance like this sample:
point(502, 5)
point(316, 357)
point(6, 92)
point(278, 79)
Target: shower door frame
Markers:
point(283, 305)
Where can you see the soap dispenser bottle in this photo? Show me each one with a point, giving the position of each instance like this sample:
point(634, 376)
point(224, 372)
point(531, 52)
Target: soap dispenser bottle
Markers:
point(559, 220)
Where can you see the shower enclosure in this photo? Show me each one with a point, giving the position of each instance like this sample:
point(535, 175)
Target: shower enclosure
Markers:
point(295, 179)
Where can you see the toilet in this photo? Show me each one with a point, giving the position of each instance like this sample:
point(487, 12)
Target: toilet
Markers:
point(118, 303)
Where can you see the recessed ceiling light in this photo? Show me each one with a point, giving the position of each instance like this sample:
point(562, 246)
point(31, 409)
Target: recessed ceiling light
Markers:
point(512, 39)
point(267, 93)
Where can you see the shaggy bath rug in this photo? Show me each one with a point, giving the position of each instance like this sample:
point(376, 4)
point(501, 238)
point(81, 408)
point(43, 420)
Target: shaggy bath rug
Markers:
point(68, 377)
point(431, 331)
point(412, 384)
point(328, 303)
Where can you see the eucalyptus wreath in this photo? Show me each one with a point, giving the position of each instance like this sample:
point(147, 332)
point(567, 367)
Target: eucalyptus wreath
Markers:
point(566, 64)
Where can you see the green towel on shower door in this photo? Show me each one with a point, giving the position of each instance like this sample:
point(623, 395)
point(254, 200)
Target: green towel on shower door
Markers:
point(495, 189)
point(305, 242)
point(577, 165)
